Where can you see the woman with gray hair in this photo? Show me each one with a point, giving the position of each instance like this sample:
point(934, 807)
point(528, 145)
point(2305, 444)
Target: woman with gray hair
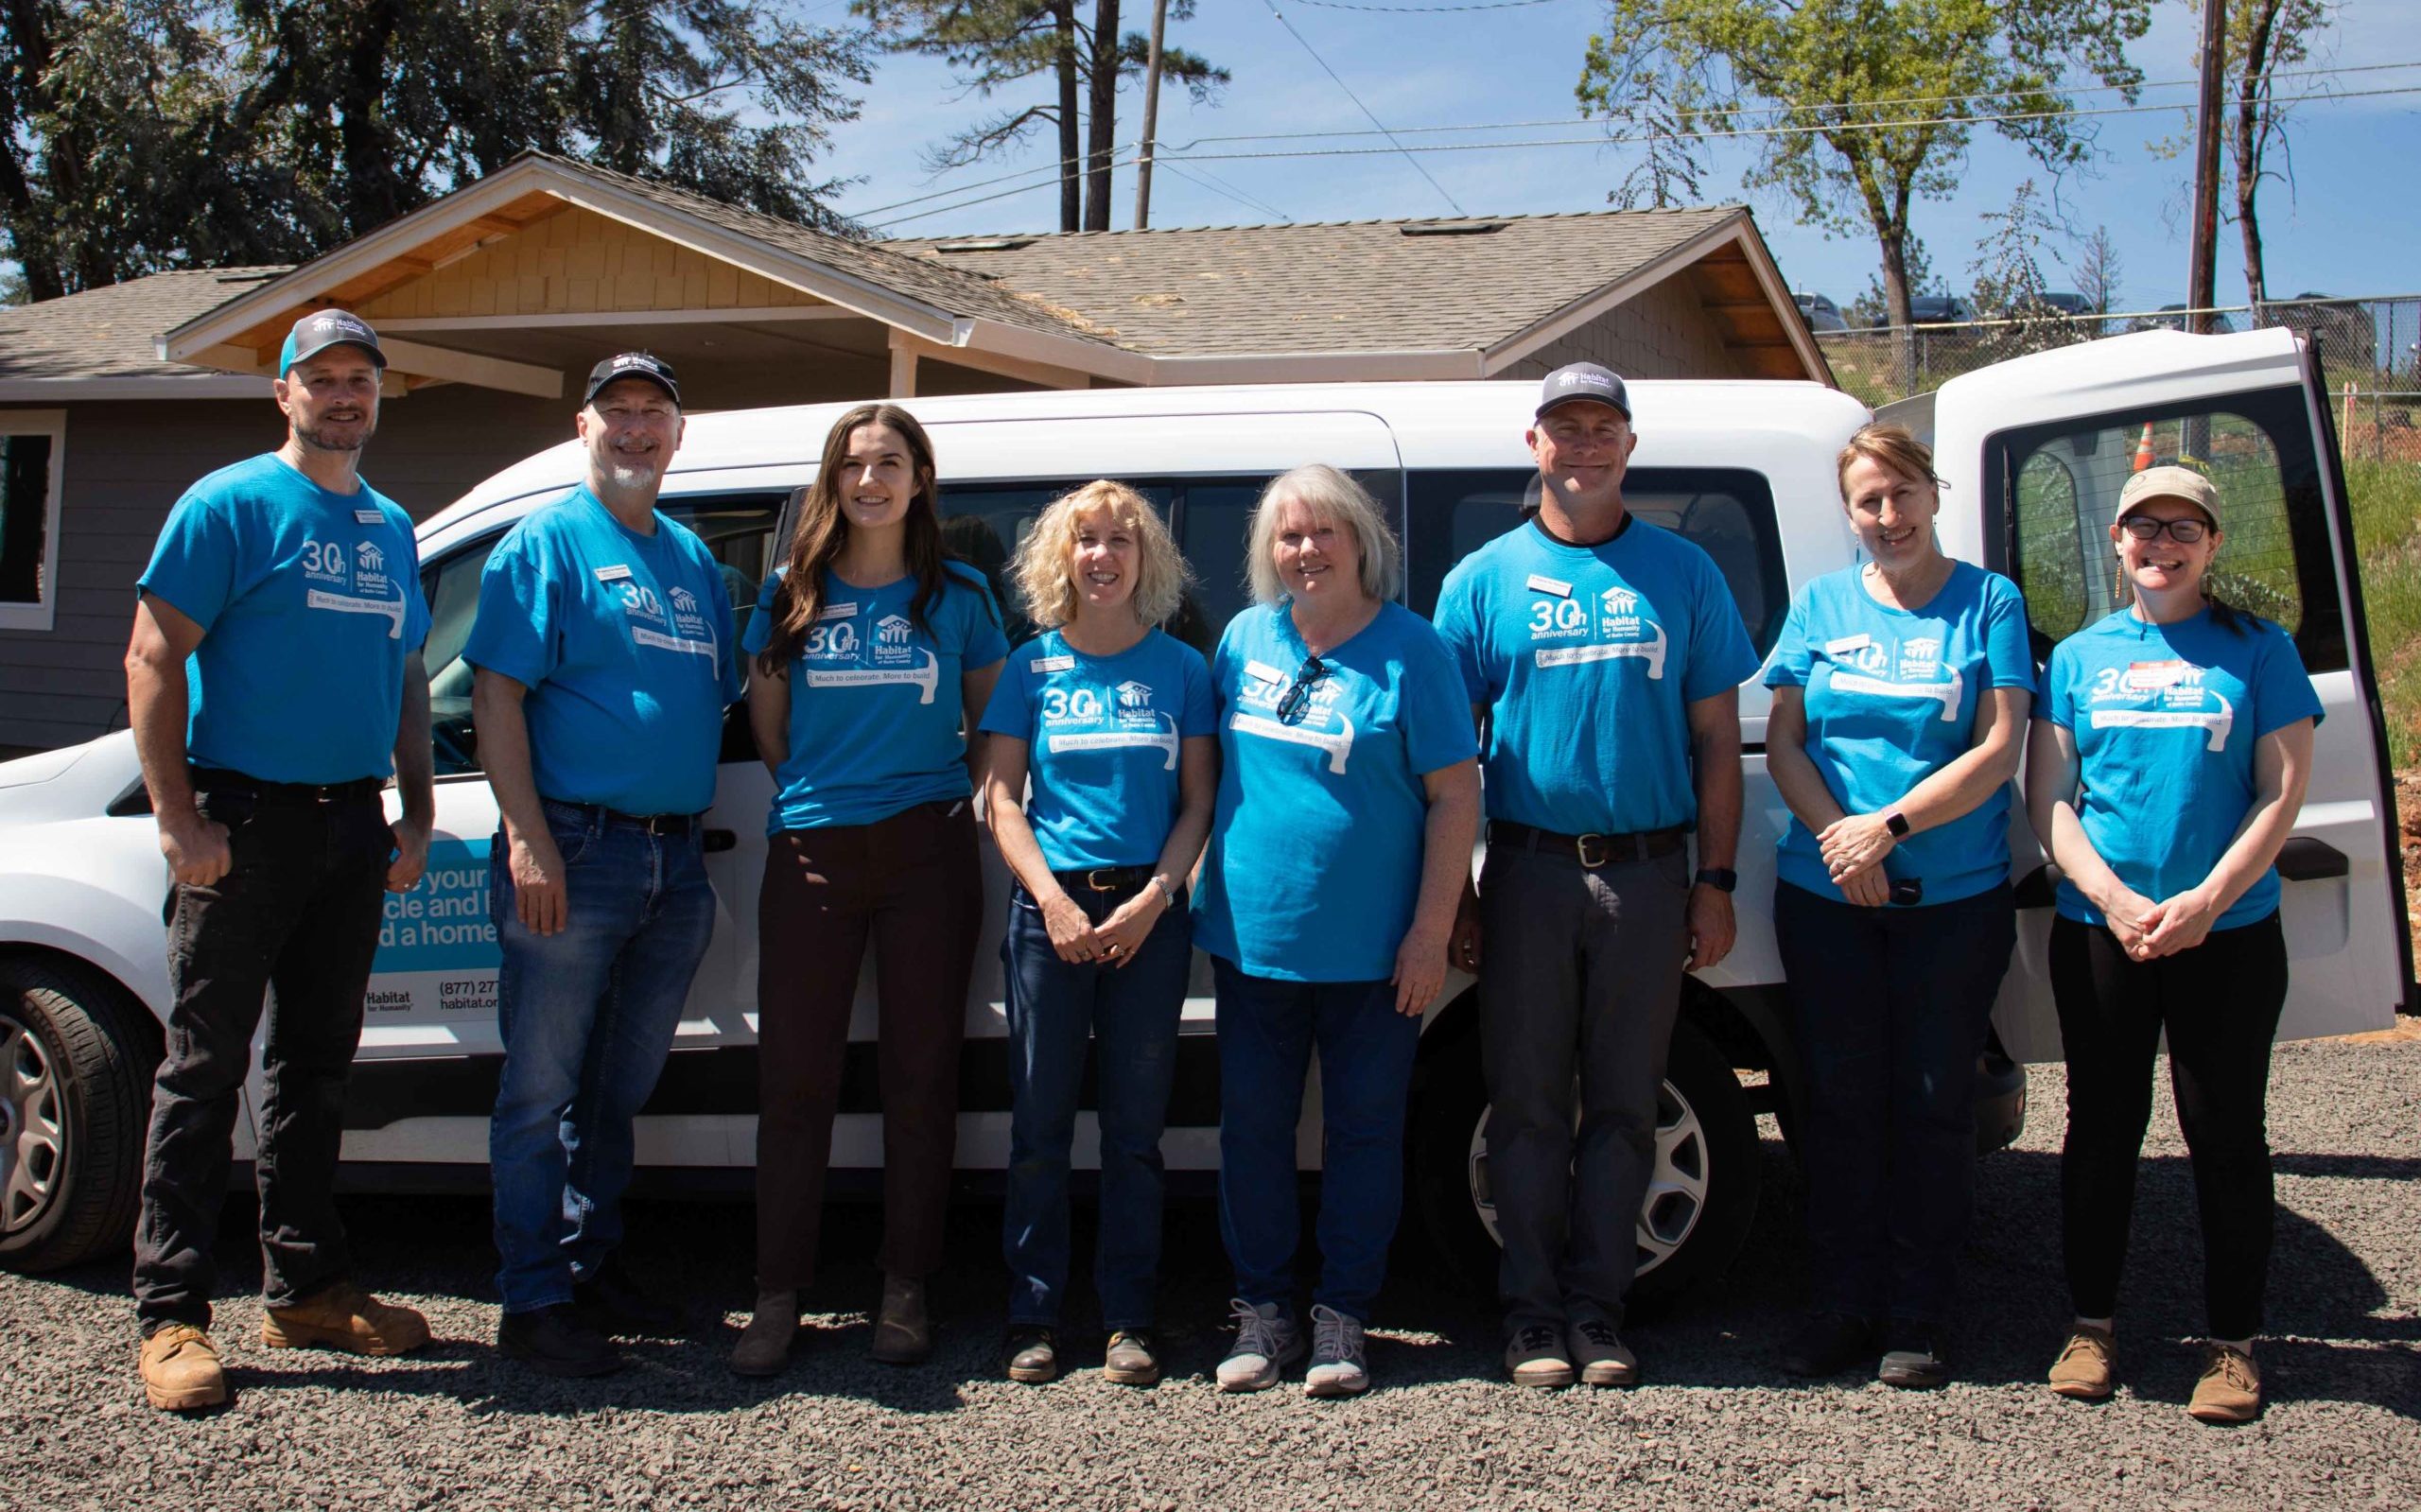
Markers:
point(1113, 722)
point(1349, 798)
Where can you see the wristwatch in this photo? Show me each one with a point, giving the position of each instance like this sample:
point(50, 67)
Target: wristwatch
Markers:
point(1722, 878)
point(1168, 894)
point(1897, 823)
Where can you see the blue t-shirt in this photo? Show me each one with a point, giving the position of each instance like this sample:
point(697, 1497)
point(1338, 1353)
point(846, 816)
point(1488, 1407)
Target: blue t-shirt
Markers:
point(1588, 658)
point(1891, 699)
point(1104, 737)
point(624, 642)
point(309, 602)
point(2165, 719)
point(875, 702)
point(1316, 846)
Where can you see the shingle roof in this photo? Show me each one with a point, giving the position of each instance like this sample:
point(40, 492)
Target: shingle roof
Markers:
point(1371, 286)
point(107, 332)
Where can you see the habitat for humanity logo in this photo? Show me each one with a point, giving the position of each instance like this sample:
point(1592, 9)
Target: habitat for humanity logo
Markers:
point(1619, 601)
point(369, 557)
point(684, 601)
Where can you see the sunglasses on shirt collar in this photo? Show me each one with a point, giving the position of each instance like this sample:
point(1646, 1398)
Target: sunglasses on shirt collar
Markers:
point(1298, 696)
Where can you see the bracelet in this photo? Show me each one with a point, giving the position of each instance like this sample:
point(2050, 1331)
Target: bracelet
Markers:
point(1168, 894)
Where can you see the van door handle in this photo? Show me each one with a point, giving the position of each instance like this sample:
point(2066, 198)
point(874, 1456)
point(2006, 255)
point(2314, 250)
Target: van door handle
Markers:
point(719, 840)
point(2303, 859)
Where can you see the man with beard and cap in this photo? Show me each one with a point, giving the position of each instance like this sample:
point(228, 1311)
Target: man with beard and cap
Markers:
point(273, 683)
point(605, 658)
point(1603, 656)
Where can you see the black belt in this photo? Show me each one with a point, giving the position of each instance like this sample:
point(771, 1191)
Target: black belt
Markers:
point(1591, 851)
point(652, 824)
point(1105, 879)
point(226, 779)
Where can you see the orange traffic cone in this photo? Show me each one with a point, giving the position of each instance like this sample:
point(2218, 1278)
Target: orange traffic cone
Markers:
point(2144, 450)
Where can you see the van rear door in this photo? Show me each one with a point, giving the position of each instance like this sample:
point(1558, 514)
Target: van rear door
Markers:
point(2043, 444)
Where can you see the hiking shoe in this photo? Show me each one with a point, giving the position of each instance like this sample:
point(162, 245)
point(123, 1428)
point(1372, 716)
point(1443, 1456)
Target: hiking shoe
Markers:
point(1599, 1353)
point(1030, 1355)
point(343, 1316)
point(2230, 1390)
point(1534, 1356)
point(1338, 1368)
point(556, 1341)
point(903, 1336)
point(764, 1346)
point(1826, 1345)
point(615, 1304)
point(1916, 1360)
point(181, 1369)
point(1266, 1343)
point(1132, 1360)
point(2088, 1364)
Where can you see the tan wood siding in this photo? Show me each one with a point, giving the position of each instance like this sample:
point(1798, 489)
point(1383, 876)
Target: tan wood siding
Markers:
point(1661, 333)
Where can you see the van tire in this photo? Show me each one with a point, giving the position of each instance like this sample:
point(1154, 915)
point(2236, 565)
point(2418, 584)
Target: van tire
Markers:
point(76, 1063)
point(1708, 1137)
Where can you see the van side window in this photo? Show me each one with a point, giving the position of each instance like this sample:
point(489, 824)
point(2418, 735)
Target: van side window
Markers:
point(1728, 512)
point(738, 530)
point(2061, 485)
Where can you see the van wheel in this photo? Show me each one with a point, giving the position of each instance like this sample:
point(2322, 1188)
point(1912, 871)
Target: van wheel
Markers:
point(1701, 1200)
point(75, 1090)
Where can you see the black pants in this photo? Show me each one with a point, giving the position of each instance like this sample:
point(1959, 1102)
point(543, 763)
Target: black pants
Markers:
point(2220, 1003)
point(1891, 1007)
point(298, 911)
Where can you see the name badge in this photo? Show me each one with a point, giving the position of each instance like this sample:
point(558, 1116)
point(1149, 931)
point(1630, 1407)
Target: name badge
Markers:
point(1847, 644)
point(2154, 674)
point(368, 517)
point(837, 611)
point(1547, 585)
point(613, 574)
point(1262, 671)
point(1052, 664)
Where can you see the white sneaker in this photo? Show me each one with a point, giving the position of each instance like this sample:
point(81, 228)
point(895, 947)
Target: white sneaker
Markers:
point(1338, 1366)
point(1601, 1356)
point(1266, 1343)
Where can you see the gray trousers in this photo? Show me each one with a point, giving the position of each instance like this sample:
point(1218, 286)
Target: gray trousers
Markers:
point(1580, 976)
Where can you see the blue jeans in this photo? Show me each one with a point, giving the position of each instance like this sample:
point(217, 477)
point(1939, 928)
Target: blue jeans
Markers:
point(1129, 1014)
point(1267, 1029)
point(588, 1015)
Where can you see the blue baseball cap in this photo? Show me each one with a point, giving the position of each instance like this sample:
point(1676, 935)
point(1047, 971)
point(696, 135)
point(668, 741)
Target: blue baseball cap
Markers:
point(1575, 381)
point(322, 329)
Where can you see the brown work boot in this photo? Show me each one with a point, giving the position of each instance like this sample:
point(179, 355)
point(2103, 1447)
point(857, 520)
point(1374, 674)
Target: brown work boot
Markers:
point(2230, 1390)
point(902, 1334)
point(764, 1346)
point(343, 1316)
point(2088, 1364)
point(181, 1369)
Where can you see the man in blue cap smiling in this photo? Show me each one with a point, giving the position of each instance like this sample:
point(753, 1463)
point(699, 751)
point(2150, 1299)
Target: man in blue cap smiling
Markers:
point(274, 683)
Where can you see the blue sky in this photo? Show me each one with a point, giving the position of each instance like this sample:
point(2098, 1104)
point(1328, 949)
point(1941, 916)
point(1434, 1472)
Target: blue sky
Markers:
point(2347, 228)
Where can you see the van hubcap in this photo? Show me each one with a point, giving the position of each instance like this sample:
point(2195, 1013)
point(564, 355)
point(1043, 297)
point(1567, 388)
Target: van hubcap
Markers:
point(34, 1135)
point(1676, 1187)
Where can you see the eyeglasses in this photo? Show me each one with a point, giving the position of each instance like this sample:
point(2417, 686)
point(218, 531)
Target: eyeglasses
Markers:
point(2184, 532)
point(1298, 696)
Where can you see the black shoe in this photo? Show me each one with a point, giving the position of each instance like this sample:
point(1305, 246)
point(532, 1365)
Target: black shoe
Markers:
point(615, 1305)
point(1031, 1354)
point(1916, 1359)
point(1827, 1344)
point(556, 1341)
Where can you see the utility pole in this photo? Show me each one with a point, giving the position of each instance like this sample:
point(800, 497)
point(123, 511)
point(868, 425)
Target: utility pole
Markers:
point(2201, 277)
point(1151, 115)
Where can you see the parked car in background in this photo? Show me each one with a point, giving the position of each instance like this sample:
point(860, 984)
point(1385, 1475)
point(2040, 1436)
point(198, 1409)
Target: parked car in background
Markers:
point(1819, 312)
point(2036, 450)
point(1938, 309)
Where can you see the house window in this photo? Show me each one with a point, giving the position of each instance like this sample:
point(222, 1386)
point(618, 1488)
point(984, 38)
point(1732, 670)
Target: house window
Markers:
point(33, 446)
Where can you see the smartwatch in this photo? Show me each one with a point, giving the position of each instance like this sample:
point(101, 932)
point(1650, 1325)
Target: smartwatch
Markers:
point(1897, 823)
point(1722, 878)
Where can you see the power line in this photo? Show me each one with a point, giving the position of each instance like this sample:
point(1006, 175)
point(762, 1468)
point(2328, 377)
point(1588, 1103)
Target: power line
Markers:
point(1358, 105)
point(1203, 177)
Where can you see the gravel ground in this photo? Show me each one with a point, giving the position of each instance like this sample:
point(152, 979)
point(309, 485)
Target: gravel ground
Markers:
point(456, 1428)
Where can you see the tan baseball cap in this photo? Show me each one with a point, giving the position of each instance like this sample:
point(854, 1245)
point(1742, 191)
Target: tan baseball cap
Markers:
point(2170, 483)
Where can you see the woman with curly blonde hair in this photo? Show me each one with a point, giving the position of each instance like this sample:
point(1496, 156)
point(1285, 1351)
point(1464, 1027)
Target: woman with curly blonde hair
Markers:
point(1104, 768)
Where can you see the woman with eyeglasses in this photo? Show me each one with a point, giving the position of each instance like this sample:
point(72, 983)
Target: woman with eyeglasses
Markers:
point(1901, 689)
point(2167, 769)
point(1348, 799)
point(1113, 722)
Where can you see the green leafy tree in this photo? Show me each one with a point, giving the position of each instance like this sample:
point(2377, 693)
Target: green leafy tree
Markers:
point(995, 45)
point(1871, 104)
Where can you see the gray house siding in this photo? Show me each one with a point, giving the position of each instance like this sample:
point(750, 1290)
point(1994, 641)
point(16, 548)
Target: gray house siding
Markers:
point(127, 462)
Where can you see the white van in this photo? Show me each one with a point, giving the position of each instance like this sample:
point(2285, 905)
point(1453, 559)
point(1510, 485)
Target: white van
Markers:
point(2034, 451)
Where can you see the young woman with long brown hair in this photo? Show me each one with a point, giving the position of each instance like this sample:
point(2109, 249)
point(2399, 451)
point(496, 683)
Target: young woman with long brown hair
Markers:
point(870, 643)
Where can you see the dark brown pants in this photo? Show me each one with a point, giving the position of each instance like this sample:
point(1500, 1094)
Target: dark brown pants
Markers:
point(911, 883)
